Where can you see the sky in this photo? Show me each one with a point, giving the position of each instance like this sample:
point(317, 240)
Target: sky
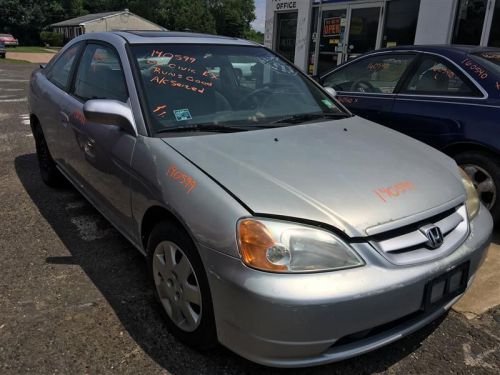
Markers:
point(260, 13)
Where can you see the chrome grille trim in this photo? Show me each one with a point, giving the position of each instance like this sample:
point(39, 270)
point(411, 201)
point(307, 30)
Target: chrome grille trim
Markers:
point(410, 248)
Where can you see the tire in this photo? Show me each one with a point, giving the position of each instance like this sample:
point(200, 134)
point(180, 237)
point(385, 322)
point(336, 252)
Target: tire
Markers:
point(175, 268)
point(48, 169)
point(484, 170)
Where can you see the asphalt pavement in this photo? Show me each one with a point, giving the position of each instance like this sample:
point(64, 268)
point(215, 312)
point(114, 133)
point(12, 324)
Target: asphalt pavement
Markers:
point(74, 297)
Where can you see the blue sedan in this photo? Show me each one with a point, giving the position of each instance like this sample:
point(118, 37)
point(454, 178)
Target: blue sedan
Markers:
point(446, 96)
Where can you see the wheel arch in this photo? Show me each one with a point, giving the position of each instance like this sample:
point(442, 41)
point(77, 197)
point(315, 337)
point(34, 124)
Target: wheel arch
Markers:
point(156, 214)
point(459, 147)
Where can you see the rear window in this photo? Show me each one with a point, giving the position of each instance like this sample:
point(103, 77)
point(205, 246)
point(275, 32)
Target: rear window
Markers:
point(490, 60)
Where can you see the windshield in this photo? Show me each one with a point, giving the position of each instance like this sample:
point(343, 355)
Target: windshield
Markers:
point(215, 85)
point(491, 59)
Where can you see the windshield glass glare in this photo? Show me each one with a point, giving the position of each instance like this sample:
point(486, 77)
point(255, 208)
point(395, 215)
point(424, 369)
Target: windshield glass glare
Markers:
point(242, 86)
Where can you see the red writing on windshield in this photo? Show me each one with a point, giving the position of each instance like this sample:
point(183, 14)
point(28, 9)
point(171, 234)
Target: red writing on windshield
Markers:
point(182, 178)
point(160, 110)
point(347, 99)
point(169, 55)
point(394, 191)
point(172, 83)
point(375, 67)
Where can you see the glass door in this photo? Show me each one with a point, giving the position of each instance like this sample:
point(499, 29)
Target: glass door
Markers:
point(332, 38)
point(469, 22)
point(286, 34)
point(364, 30)
point(346, 31)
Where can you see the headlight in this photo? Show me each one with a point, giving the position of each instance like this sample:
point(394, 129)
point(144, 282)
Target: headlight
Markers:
point(280, 246)
point(472, 202)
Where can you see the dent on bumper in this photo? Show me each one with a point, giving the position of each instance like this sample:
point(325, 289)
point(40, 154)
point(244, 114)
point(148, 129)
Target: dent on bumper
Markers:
point(294, 320)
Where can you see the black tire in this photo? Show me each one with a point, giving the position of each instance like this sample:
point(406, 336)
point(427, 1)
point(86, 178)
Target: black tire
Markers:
point(48, 169)
point(204, 337)
point(491, 165)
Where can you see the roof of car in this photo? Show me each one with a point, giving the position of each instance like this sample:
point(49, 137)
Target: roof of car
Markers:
point(145, 37)
point(443, 48)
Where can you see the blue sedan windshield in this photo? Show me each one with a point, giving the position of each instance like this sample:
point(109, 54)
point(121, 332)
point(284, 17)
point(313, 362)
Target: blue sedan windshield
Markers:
point(186, 85)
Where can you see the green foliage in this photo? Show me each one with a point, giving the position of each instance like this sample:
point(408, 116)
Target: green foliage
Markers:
point(25, 19)
point(232, 17)
point(180, 15)
point(52, 39)
point(255, 36)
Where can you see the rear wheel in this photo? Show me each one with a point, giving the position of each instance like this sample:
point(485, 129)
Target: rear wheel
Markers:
point(484, 171)
point(48, 169)
point(181, 286)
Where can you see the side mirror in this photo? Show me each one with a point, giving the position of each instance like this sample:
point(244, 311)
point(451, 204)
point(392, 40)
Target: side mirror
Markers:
point(110, 112)
point(331, 91)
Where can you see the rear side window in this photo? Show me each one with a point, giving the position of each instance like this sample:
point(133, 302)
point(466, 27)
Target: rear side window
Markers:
point(99, 75)
point(436, 76)
point(376, 74)
point(59, 73)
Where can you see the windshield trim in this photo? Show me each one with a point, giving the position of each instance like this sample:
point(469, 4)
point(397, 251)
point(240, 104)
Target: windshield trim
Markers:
point(141, 91)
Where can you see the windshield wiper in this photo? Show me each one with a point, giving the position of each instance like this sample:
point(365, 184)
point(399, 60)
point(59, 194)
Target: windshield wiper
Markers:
point(202, 127)
point(298, 119)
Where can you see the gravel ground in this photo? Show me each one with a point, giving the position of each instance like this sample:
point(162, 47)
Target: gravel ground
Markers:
point(74, 297)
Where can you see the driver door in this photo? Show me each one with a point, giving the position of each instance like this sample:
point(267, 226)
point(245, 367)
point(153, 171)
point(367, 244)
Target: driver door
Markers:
point(367, 86)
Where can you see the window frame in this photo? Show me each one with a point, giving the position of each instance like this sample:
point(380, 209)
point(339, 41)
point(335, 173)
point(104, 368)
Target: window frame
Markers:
point(371, 55)
point(422, 56)
point(76, 62)
point(86, 43)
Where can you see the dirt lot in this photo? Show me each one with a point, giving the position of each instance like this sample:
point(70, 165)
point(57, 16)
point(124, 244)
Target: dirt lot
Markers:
point(33, 57)
point(74, 296)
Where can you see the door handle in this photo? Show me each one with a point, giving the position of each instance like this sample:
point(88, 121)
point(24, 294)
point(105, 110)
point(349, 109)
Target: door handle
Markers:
point(64, 118)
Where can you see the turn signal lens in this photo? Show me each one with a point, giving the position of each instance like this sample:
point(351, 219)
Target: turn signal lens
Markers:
point(258, 247)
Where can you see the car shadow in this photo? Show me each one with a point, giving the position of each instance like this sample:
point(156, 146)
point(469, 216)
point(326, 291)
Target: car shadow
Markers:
point(118, 270)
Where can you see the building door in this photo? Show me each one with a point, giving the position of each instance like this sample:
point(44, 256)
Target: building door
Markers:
point(477, 22)
point(286, 32)
point(346, 31)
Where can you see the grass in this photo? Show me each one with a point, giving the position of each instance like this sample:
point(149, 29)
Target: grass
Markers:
point(32, 49)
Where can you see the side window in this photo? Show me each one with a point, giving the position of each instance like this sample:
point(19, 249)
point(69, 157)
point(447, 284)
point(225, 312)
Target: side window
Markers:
point(99, 75)
point(60, 71)
point(435, 76)
point(377, 74)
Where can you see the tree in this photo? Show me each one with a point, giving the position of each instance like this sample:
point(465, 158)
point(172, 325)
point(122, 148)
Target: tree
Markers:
point(232, 17)
point(180, 15)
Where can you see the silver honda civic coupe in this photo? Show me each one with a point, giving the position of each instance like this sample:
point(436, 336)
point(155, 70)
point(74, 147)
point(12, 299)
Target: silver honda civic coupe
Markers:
point(273, 220)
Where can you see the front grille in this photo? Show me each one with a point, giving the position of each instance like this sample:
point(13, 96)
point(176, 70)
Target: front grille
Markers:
point(408, 245)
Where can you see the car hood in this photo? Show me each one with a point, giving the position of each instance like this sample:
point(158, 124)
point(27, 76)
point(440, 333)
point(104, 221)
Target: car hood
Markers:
point(352, 174)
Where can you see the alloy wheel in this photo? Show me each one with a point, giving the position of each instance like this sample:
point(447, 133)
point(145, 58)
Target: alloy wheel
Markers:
point(484, 184)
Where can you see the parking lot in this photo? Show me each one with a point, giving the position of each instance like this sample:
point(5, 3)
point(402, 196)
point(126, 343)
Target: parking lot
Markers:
point(74, 296)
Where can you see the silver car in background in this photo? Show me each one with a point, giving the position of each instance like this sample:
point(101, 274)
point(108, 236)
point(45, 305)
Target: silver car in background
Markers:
point(274, 221)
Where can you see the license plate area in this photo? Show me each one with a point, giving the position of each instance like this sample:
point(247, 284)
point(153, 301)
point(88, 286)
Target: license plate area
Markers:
point(446, 286)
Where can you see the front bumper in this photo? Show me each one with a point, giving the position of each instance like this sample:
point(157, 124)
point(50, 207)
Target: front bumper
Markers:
point(286, 320)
